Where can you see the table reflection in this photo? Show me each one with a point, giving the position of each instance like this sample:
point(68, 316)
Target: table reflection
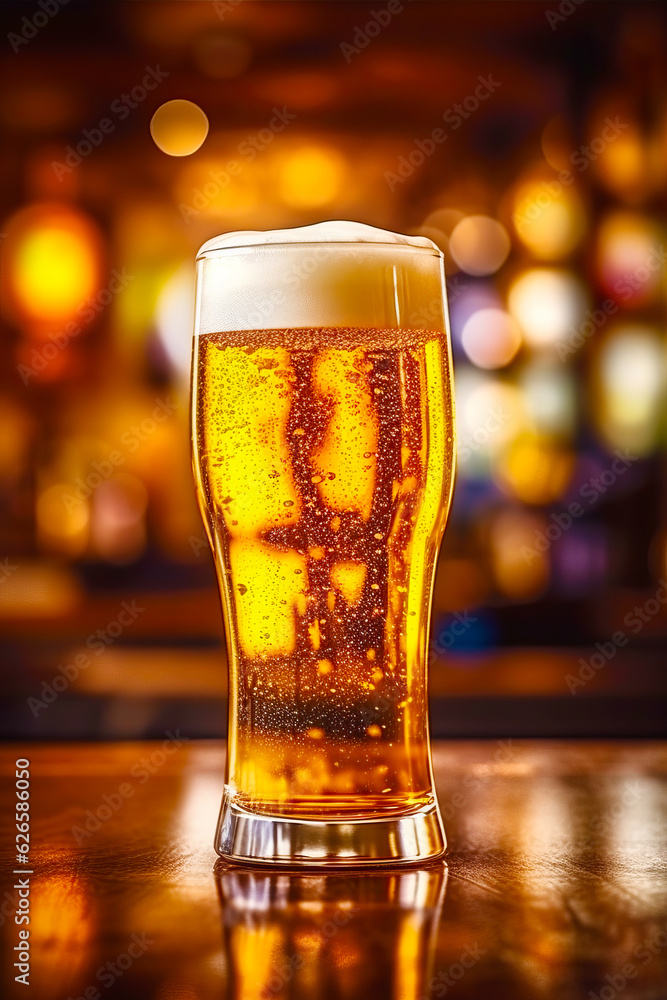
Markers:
point(324, 935)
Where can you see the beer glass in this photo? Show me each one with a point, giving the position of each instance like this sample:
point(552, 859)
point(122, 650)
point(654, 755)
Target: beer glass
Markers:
point(323, 446)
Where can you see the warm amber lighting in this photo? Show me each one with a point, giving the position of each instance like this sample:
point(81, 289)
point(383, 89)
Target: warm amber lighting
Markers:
point(63, 933)
point(312, 176)
point(179, 127)
point(548, 304)
point(62, 527)
point(51, 263)
point(39, 590)
point(479, 245)
point(520, 565)
point(622, 164)
point(16, 428)
point(206, 187)
point(548, 216)
point(535, 470)
point(491, 338)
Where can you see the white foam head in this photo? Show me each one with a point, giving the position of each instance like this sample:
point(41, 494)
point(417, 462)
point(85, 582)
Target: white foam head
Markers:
point(333, 274)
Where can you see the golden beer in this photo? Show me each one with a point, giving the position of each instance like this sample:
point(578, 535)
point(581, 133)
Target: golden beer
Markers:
point(323, 461)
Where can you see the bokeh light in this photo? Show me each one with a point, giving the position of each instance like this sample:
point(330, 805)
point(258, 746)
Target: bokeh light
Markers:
point(547, 304)
point(62, 527)
point(444, 219)
point(179, 127)
point(118, 523)
point(520, 569)
point(173, 318)
point(438, 226)
point(535, 469)
point(549, 217)
point(469, 299)
point(312, 176)
point(622, 166)
point(632, 381)
point(490, 413)
point(619, 155)
point(491, 338)
point(549, 392)
point(479, 245)
point(630, 257)
point(51, 264)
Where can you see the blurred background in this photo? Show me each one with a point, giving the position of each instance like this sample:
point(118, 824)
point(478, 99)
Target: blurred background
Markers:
point(529, 141)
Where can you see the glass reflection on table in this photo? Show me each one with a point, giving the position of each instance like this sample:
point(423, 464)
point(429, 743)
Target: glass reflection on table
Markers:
point(322, 935)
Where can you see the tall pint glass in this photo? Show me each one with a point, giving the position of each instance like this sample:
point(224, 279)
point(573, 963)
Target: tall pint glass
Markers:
point(323, 443)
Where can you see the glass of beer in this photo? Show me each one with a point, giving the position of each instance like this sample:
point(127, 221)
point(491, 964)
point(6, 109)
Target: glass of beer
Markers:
point(323, 446)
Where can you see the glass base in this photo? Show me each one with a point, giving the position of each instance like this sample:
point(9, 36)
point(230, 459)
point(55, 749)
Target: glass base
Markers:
point(260, 838)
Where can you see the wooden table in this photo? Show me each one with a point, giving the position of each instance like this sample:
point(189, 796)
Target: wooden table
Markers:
point(555, 885)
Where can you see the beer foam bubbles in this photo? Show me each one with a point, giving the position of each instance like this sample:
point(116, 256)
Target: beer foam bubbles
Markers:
point(333, 274)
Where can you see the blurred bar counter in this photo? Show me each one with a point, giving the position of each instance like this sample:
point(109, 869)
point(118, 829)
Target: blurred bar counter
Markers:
point(158, 661)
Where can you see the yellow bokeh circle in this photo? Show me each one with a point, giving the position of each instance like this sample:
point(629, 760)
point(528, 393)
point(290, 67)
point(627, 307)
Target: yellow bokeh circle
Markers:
point(179, 127)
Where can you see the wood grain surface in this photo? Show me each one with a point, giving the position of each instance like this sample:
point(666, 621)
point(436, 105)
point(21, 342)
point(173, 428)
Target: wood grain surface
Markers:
point(555, 886)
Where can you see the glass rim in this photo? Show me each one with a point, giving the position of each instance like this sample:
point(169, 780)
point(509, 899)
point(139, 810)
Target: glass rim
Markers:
point(433, 251)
